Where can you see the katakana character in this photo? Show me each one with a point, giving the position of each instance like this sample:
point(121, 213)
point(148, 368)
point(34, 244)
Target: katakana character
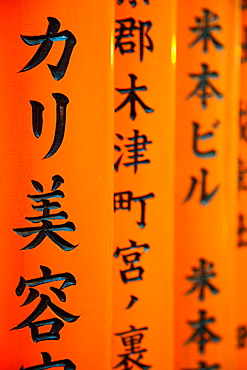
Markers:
point(241, 230)
point(132, 302)
point(46, 42)
point(132, 342)
point(201, 278)
point(133, 97)
point(197, 137)
point(202, 334)
point(45, 302)
point(47, 228)
point(126, 31)
point(131, 259)
point(205, 197)
point(37, 121)
point(139, 143)
point(205, 26)
point(47, 364)
point(122, 201)
point(204, 85)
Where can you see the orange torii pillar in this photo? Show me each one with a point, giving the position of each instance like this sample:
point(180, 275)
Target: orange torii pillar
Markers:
point(241, 242)
point(206, 184)
point(145, 55)
point(57, 184)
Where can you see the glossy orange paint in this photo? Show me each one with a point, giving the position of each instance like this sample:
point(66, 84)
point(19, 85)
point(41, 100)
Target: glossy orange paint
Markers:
point(154, 308)
point(206, 231)
point(84, 161)
point(242, 202)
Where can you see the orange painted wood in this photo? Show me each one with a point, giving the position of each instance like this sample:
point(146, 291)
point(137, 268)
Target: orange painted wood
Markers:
point(206, 229)
point(83, 160)
point(242, 202)
point(154, 308)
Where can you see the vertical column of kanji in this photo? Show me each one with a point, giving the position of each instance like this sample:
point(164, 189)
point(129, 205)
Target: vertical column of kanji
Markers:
point(205, 193)
point(143, 197)
point(56, 137)
point(241, 331)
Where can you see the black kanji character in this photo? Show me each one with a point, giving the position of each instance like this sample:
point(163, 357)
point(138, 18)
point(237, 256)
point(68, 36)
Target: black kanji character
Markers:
point(205, 197)
point(46, 42)
point(205, 26)
point(204, 85)
point(241, 336)
point(47, 228)
point(139, 143)
point(202, 334)
point(244, 46)
point(131, 259)
point(242, 121)
point(37, 121)
point(241, 174)
point(243, 4)
point(133, 97)
point(132, 2)
point(197, 137)
point(122, 201)
point(204, 366)
point(201, 278)
point(126, 31)
point(47, 364)
point(45, 302)
point(242, 229)
point(132, 342)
